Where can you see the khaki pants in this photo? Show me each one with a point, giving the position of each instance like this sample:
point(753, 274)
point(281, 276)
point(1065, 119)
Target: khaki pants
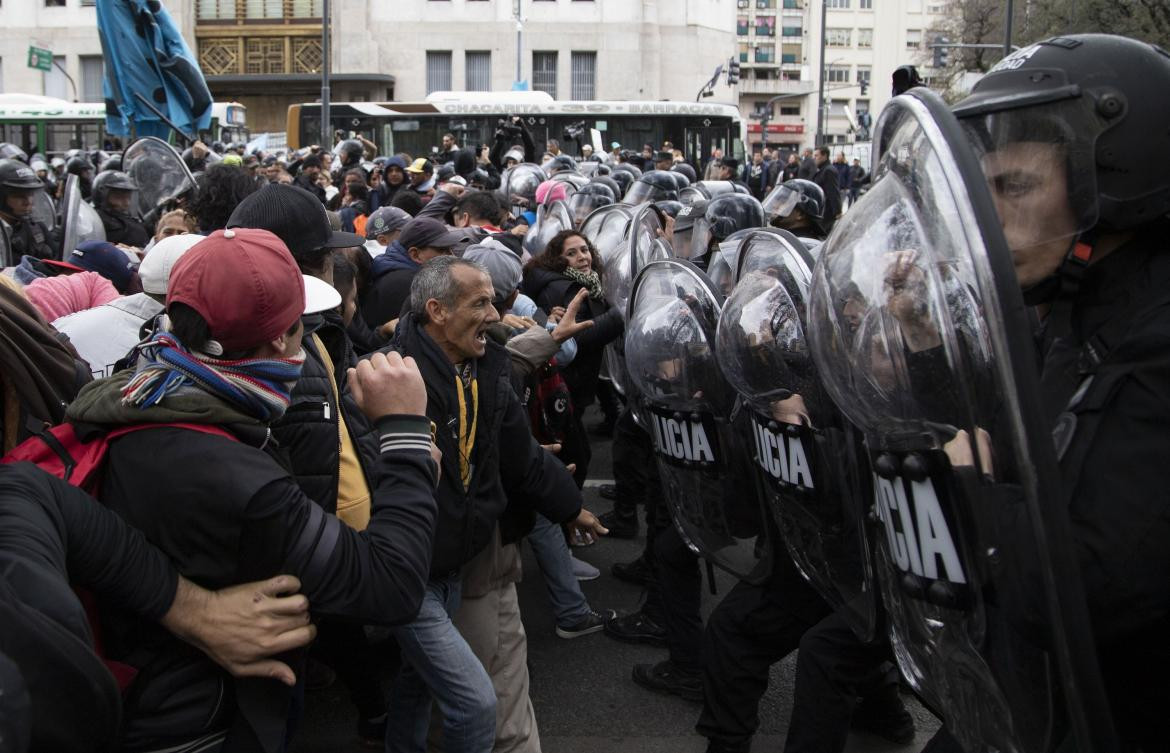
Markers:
point(492, 628)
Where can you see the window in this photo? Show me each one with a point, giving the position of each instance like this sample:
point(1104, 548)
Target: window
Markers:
point(913, 39)
point(793, 5)
point(583, 70)
point(54, 3)
point(765, 4)
point(837, 107)
point(305, 9)
point(837, 4)
point(860, 106)
point(88, 3)
point(741, 4)
point(937, 9)
point(478, 71)
point(216, 10)
point(789, 58)
point(791, 31)
point(765, 26)
point(790, 110)
point(438, 70)
point(863, 73)
point(838, 37)
point(761, 110)
point(263, 9)
point(745, 49)
point(741, 26)
point(790, 75)
point(91, 78)
point(837, 74)
point(544, 72)
point(864, 38)
point(865, 4)
point(765, 53)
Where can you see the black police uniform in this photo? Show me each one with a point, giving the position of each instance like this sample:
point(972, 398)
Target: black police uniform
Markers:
point(32, 238)
point(123, 228)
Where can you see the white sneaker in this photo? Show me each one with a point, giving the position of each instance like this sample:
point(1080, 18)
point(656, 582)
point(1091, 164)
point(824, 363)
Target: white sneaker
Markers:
point(583, 570)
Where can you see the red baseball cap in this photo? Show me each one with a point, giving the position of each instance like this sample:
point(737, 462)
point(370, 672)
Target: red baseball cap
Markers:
point(244, 283)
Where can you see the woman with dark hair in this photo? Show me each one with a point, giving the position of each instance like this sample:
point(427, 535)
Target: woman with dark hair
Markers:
point(218, 191)
point(569, 264)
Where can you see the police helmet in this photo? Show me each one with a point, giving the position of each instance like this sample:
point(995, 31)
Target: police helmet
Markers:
point(561, 163)
point(686, 169)
point(668, 207)
point(111, 180)
point(589, 197)
point(1094, 101)
point(655, 185)
point(12, 151)
point(78, 166)
point(706, 222)
point(679, 178)
point(16, 177)
point(218, 147)
point(630, 168)
point(797, 193)
point(113, 163)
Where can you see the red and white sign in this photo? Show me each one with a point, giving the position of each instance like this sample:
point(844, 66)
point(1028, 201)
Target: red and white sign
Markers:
point(776, 128)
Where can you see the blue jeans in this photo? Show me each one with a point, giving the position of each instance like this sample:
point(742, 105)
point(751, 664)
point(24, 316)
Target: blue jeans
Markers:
point(552, 554)
point(438, 664)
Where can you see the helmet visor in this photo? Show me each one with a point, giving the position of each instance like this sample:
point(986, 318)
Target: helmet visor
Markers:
point(781, 202)
point(1040, 166)
point(641, 192)
point(581, 204)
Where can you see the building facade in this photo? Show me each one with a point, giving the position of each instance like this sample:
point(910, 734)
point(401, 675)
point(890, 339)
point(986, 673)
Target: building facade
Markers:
point(779, 48)
point(267, 54)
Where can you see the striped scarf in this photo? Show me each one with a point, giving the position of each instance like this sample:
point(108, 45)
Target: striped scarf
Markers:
point(257, 386)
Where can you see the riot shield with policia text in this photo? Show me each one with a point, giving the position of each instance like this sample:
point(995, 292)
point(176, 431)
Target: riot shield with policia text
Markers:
point(920, 335)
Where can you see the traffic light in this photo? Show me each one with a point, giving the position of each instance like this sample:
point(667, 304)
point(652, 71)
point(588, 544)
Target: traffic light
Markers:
point(864, 84)
point(942, 55)
point(732, 72)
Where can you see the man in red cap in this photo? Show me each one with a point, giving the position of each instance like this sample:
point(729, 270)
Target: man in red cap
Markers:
point(206, 486)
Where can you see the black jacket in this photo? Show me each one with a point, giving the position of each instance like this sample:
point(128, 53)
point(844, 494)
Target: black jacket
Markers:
point(549, 290)
point(1116, 475)
point(228, 512)
point(122, 228)
point(826, 178)
point(507, 462)
point(51, 535)
point(309, 429)
point(386, 295)
point(310, 185)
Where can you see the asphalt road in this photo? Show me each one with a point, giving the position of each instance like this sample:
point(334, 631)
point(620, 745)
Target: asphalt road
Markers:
point(584, 698)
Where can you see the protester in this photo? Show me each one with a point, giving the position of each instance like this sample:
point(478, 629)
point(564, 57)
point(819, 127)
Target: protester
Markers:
point(421, 240)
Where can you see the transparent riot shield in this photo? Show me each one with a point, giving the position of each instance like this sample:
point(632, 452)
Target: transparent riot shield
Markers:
point(43, 210)
point(807, 458)
point(80, 222)
point(703, 461)
point(159, 171)
point(551, 219)
point(7, 257)
point(920, 335)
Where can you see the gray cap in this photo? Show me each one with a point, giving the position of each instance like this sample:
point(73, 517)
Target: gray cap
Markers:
point(502, 264)
point(385, 220)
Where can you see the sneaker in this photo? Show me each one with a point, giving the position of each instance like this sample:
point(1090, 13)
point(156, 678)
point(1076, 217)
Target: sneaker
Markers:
point(639, 572)
point(665, 677)
point(636, 628)
point(593, 622)
point(619, 528)
point(885, 717)
point(583, 570)
point(607, 491)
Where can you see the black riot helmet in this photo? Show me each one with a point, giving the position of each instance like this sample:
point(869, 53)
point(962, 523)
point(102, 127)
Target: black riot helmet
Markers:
point(218, 147)
point(669, 207)
point(16, 177)
point(1095, 101)
point(719, 219)
point(632, 169)
point(79, 166)
point(561, 163)
point(113, 163)
point(623, 178)
point(12, 151)
point(680, 180)
point(684, 168)
point(607, 180)
point(905, 77)
point(791, 195)
point(655, 185)
point(589, 197)
point(350, 151)
point(111, 180)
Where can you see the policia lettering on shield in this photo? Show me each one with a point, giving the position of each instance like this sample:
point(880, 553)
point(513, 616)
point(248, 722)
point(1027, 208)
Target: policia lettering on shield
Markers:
point(994, 315)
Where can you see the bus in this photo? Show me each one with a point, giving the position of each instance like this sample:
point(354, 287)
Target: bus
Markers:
point(473, 117)
point(53, 126)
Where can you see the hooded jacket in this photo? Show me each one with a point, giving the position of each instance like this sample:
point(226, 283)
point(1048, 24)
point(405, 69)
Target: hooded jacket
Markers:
point(392, 273)
point(228, 512)
point(525, 474)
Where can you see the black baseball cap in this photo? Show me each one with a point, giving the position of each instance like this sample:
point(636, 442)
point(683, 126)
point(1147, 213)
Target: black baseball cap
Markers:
point(295, 216)
point(423, 232)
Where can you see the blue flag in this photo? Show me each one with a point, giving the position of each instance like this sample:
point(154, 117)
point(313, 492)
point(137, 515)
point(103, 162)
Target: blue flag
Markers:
point(145, 55)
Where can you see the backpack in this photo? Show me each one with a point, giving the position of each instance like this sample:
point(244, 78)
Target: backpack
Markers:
point(549, 403)
point(78, 460)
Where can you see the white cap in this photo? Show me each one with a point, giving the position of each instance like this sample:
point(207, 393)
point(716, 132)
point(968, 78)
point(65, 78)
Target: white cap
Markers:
point(155, 269)
point(320, 295)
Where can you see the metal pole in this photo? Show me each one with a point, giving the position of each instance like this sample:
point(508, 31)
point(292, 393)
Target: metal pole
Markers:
point(821, 91)
point(1007, 30)
point(519, 40)
point(326, 131)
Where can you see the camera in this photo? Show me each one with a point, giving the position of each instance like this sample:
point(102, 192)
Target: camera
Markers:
point(574, 131)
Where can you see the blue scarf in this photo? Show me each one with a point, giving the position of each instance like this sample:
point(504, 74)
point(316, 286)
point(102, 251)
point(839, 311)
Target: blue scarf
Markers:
point(257, 386)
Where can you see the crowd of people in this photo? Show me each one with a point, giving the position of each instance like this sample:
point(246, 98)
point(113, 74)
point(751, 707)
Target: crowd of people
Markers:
point(325, 397)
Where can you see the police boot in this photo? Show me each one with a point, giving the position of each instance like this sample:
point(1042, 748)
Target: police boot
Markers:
point(667, 677)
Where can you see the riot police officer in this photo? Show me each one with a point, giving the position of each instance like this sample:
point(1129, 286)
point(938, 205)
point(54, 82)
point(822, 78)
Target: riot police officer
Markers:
point(798, 206)
point(80, 166)
point(18, 184)
point(113, 191)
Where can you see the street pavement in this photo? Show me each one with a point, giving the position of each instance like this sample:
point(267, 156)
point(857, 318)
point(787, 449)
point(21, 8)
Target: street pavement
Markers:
point(584, 698)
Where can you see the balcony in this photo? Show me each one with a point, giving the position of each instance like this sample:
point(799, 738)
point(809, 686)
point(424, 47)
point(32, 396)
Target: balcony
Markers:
point(774, 86)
